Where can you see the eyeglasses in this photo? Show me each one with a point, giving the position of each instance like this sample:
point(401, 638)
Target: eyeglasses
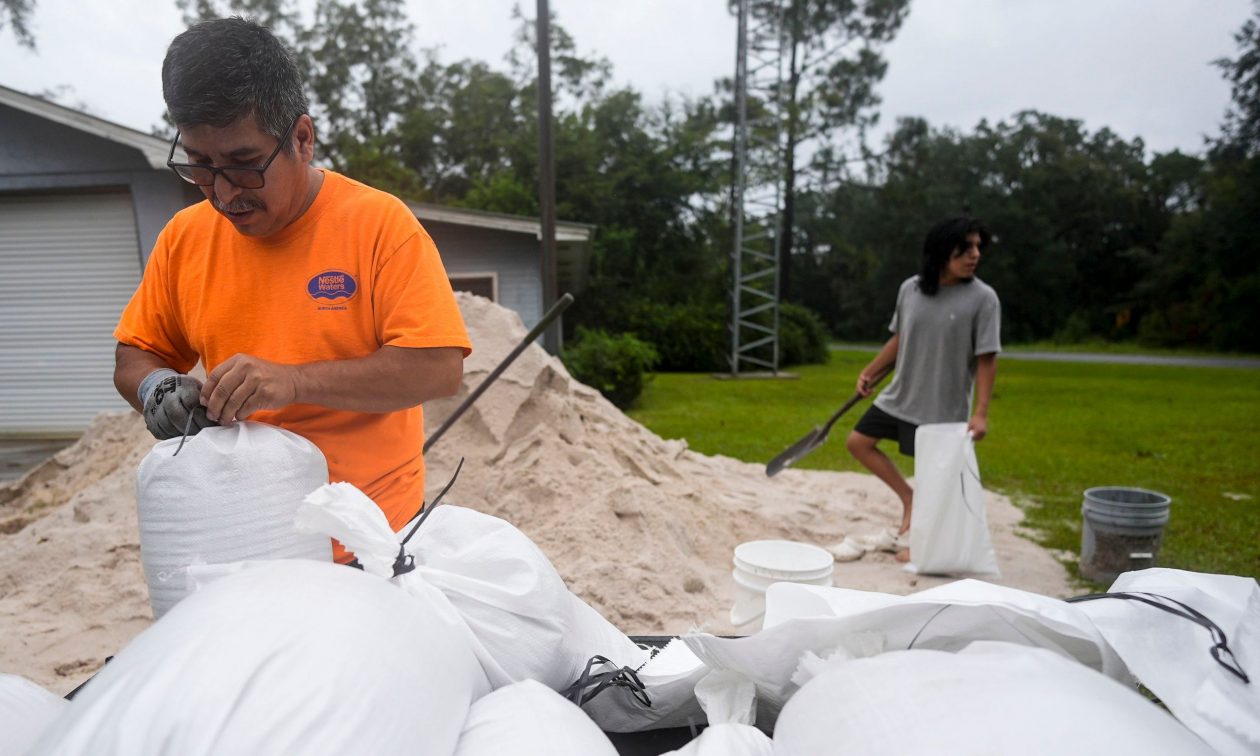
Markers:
point(245, 177)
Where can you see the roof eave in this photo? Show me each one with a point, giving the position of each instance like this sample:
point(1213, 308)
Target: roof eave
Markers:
point(153, 149)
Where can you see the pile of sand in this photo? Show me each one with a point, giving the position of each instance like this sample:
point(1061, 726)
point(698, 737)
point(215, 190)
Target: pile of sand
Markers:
point(641, 528)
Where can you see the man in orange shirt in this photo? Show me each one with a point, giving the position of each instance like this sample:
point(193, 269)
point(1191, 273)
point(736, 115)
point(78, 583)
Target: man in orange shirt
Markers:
point(315, 303)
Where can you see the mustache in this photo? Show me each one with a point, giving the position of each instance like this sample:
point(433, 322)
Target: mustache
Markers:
point(238, 206)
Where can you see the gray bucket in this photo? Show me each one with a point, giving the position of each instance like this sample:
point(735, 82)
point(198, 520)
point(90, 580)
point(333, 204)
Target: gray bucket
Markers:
point(1122, 530)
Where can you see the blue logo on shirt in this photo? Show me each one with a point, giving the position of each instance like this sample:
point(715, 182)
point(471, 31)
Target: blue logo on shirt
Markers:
point(332, 285)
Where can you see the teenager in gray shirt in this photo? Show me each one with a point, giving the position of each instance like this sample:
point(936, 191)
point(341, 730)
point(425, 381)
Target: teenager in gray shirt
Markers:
point(945, 342)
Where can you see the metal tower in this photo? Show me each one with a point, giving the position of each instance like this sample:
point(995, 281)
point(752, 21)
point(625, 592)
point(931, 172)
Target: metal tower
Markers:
point(757, 196)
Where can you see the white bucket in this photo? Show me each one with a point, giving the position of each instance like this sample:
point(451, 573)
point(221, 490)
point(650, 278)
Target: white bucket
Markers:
point(760, 564)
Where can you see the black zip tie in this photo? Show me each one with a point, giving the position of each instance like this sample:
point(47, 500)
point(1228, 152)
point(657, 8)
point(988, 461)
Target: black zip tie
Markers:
point(1220, 642)
point(598, 682)
point(404, 562)
point(428, 510)
point(183, 438)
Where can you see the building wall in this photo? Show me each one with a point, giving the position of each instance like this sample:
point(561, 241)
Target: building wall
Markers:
point(515, 257)
point(38, 156)
point(33, 145)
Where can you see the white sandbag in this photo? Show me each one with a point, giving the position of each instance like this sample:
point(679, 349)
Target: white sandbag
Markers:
point(527, 623)
point(529, 719)
point(727, 740)
point(829, 622)
point(949, 533)
point(992, 698)
point(290, 656)
point(228, 496)
point(1173, 656)
point(729, 702)
point(669, 681)
point(26, 709)
point(514, 599)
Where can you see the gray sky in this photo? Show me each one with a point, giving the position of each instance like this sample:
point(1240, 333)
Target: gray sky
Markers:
point(1140, 67)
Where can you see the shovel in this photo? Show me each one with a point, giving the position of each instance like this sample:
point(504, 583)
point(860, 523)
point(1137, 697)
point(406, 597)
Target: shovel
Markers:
point(818, 436)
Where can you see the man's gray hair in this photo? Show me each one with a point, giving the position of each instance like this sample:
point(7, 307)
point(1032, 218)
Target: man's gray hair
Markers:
point(222, 70)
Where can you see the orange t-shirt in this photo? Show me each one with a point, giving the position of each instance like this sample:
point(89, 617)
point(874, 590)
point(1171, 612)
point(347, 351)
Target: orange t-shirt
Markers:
point(354, 273)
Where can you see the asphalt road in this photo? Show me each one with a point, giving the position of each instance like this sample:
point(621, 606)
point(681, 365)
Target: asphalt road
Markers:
point(1246, 363)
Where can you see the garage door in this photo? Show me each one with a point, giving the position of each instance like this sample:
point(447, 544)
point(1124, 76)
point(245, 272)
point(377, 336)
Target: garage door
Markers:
point(68, 265)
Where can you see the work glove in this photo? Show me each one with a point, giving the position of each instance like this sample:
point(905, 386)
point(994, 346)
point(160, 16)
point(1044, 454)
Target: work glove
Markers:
point(170, 403)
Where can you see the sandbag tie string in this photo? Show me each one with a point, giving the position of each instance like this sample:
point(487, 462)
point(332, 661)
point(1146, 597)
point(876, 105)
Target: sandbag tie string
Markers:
point(598, 682)
point(962, 487)
point(1220, 649)
point(428, 510)
point(184, 436)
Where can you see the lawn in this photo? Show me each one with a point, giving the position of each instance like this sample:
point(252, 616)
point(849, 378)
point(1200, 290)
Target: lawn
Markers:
point(1055, 429)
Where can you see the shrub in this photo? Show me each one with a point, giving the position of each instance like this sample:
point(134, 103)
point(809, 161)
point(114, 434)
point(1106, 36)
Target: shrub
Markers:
point(612, 364)
point(1074, 330)
point(802, 337)
point(695, 338)
point(690, 338)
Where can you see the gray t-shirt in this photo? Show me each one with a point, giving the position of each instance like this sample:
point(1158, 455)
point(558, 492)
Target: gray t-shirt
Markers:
point(936, 357)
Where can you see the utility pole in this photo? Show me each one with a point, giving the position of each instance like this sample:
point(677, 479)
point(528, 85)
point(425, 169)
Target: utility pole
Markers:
point(547, 176)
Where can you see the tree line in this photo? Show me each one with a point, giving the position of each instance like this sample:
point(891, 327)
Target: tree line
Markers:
point(1096, 237)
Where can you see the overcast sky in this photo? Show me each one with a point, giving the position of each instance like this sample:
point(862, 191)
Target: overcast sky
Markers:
point(1140, 67)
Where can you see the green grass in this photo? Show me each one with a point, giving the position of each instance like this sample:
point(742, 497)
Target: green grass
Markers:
point(1055, 429)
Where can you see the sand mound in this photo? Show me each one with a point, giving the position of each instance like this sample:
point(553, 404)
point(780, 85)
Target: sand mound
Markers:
point(72, 590)
point(640, 527)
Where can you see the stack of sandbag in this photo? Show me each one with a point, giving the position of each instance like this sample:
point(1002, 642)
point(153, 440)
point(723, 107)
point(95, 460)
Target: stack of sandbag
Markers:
point(524, 621)
point(288, 656)
point(805, 621)
point(1194, 641)
point(989, 697)
point(26, 710)
point(225, 495)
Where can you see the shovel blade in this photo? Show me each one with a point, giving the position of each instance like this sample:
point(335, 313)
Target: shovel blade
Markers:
point(796, 451)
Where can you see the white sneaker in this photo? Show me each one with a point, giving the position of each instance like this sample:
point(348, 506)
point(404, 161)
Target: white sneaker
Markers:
point(847, 550)
point(887, 539)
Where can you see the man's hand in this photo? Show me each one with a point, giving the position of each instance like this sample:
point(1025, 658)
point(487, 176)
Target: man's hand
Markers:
point(170, 405)
point(244, 384)
point(978, 427)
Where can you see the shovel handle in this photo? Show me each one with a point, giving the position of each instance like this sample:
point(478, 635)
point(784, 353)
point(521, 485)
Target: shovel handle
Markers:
point(560, 306)
point(857, 397)
point(826, 429)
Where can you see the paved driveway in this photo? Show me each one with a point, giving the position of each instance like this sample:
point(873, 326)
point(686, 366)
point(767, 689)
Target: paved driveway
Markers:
point(19, 455)
point(1246, 363)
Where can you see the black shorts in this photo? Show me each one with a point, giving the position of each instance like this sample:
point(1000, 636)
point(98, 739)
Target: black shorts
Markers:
point(877, 423)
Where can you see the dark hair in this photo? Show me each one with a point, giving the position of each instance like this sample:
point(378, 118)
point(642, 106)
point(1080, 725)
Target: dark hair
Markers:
point(942, 241)
point(220, 71)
